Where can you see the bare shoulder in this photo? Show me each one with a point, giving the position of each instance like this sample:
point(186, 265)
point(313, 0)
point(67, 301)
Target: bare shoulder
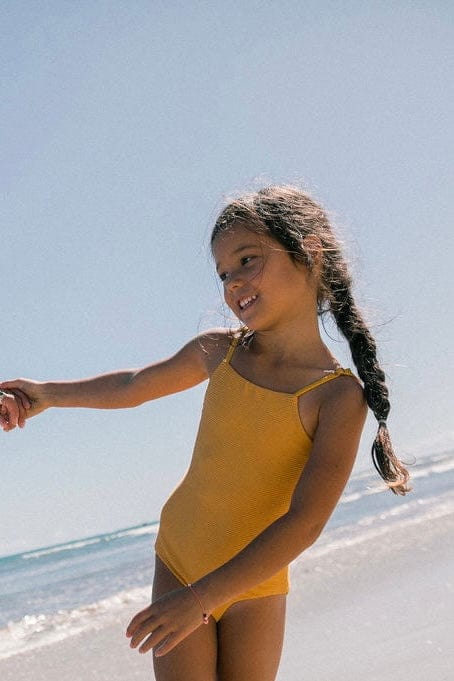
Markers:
point(342, 412)
point(344, 401)
point(212, 346)
point(191, 364)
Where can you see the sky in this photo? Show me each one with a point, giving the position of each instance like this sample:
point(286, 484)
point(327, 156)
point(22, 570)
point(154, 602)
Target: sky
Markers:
point(125, 125)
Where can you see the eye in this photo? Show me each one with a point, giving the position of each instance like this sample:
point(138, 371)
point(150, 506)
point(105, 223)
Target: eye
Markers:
point(245, 260)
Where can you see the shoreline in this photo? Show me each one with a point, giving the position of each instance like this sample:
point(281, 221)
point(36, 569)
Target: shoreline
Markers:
point(377, 610)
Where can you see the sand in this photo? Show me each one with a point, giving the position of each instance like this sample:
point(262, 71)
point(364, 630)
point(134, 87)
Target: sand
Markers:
point(382, 609)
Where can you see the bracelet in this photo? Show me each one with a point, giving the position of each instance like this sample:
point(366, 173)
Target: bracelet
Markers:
point(205, 616)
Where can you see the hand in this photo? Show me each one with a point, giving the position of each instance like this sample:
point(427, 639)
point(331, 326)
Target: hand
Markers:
point(165, 623)
point(13, 408)
point(22, 399)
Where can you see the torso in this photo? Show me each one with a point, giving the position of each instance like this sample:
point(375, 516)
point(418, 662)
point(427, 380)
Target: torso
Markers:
point(250, 451)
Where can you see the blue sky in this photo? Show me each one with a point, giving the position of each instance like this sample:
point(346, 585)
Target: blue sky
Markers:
point(124, 125)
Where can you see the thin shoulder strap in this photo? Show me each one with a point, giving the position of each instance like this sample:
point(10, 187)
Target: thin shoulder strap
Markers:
point(329, 377)
point(231, 350)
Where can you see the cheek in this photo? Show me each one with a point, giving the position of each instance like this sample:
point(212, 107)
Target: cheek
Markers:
point(228, 297)
point(254, 271)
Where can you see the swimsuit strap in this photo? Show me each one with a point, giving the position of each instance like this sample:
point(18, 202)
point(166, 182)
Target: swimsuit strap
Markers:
point(329, 377)
point(231, 350)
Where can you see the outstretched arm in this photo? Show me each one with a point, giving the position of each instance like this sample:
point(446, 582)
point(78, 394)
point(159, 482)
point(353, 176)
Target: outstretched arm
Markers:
point(122, 389)
point(168, 621)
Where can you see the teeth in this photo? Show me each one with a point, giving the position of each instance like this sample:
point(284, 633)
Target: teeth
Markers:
point(245, 301)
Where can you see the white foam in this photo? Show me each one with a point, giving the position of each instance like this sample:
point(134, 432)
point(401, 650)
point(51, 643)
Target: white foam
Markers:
point(437, 507)
point(61, 547)
point(433, 465)
point(441, 467)
point(137, 531)
point(367, 492)
point(36, 631)
point(89, 541)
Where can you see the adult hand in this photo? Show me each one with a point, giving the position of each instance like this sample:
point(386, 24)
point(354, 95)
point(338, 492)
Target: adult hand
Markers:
point(166, 622)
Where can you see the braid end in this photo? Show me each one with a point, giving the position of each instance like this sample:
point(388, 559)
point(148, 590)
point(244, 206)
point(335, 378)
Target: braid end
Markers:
point(387, 464)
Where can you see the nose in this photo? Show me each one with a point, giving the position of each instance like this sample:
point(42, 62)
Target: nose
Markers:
point(233, 282)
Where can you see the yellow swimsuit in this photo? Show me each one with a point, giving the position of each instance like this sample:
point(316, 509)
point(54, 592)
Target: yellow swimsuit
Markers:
point(249, 454)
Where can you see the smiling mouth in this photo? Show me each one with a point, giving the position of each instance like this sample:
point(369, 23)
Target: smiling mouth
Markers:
point(245, 302)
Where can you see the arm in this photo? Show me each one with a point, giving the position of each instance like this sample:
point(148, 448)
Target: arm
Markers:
point(341, 420)
point(127, 388)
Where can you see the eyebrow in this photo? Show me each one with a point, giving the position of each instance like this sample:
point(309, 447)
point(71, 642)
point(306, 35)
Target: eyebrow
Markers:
point(244, 247)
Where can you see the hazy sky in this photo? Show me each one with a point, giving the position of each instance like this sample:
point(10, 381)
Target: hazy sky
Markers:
point(124, 125)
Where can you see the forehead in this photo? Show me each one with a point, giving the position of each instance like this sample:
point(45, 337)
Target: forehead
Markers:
point(239, 237)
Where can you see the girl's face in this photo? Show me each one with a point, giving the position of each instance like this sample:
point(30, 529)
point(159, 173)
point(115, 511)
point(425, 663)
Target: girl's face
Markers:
point(263, 285)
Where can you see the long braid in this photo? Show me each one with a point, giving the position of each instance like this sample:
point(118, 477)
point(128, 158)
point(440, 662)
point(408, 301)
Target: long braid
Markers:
point(364, 354)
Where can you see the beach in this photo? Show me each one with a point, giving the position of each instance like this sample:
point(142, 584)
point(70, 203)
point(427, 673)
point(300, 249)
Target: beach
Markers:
point(379, 607)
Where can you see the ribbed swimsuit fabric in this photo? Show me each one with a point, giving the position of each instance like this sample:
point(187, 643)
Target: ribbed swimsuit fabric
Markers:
point(250, 451)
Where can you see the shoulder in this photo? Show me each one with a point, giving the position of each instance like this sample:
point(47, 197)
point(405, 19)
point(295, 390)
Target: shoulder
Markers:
point(341, 417)
point(335, 401)
point(344, 401)
point(212, 346)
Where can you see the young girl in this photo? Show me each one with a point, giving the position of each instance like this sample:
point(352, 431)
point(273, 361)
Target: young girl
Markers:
point(278, 436)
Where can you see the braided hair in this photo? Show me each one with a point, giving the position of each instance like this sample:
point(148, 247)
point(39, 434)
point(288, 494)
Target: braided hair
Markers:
point(289, 214)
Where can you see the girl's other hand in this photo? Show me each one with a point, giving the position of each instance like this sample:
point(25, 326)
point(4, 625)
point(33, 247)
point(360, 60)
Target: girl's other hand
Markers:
point(13, 409)
point(165, 623)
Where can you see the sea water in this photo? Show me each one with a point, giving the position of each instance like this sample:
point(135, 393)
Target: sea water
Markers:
point(51, 593)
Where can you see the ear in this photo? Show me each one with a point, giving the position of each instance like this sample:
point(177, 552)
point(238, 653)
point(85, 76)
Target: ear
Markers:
point(313, 248)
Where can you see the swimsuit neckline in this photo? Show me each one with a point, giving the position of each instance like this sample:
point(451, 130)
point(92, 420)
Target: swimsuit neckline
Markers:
point(329, 375)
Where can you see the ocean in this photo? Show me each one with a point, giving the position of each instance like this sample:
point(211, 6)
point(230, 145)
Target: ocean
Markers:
point(49, 594)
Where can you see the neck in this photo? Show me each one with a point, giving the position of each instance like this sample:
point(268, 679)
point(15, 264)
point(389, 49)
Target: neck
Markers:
point(301, 342)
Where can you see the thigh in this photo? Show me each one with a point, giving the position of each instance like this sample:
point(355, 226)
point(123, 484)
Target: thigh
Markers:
point(195, 658)
point(250, 638)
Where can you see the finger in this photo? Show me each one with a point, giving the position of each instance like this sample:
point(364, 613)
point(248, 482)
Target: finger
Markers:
point(156, 638)
point(22, 419)
point(168, 644)
point(148, 628)
point(13, 409)
point(172, 640)
point(23, 399)
point(23, 404)
point(16, 410)
point(10, 385)
point(137, 621)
